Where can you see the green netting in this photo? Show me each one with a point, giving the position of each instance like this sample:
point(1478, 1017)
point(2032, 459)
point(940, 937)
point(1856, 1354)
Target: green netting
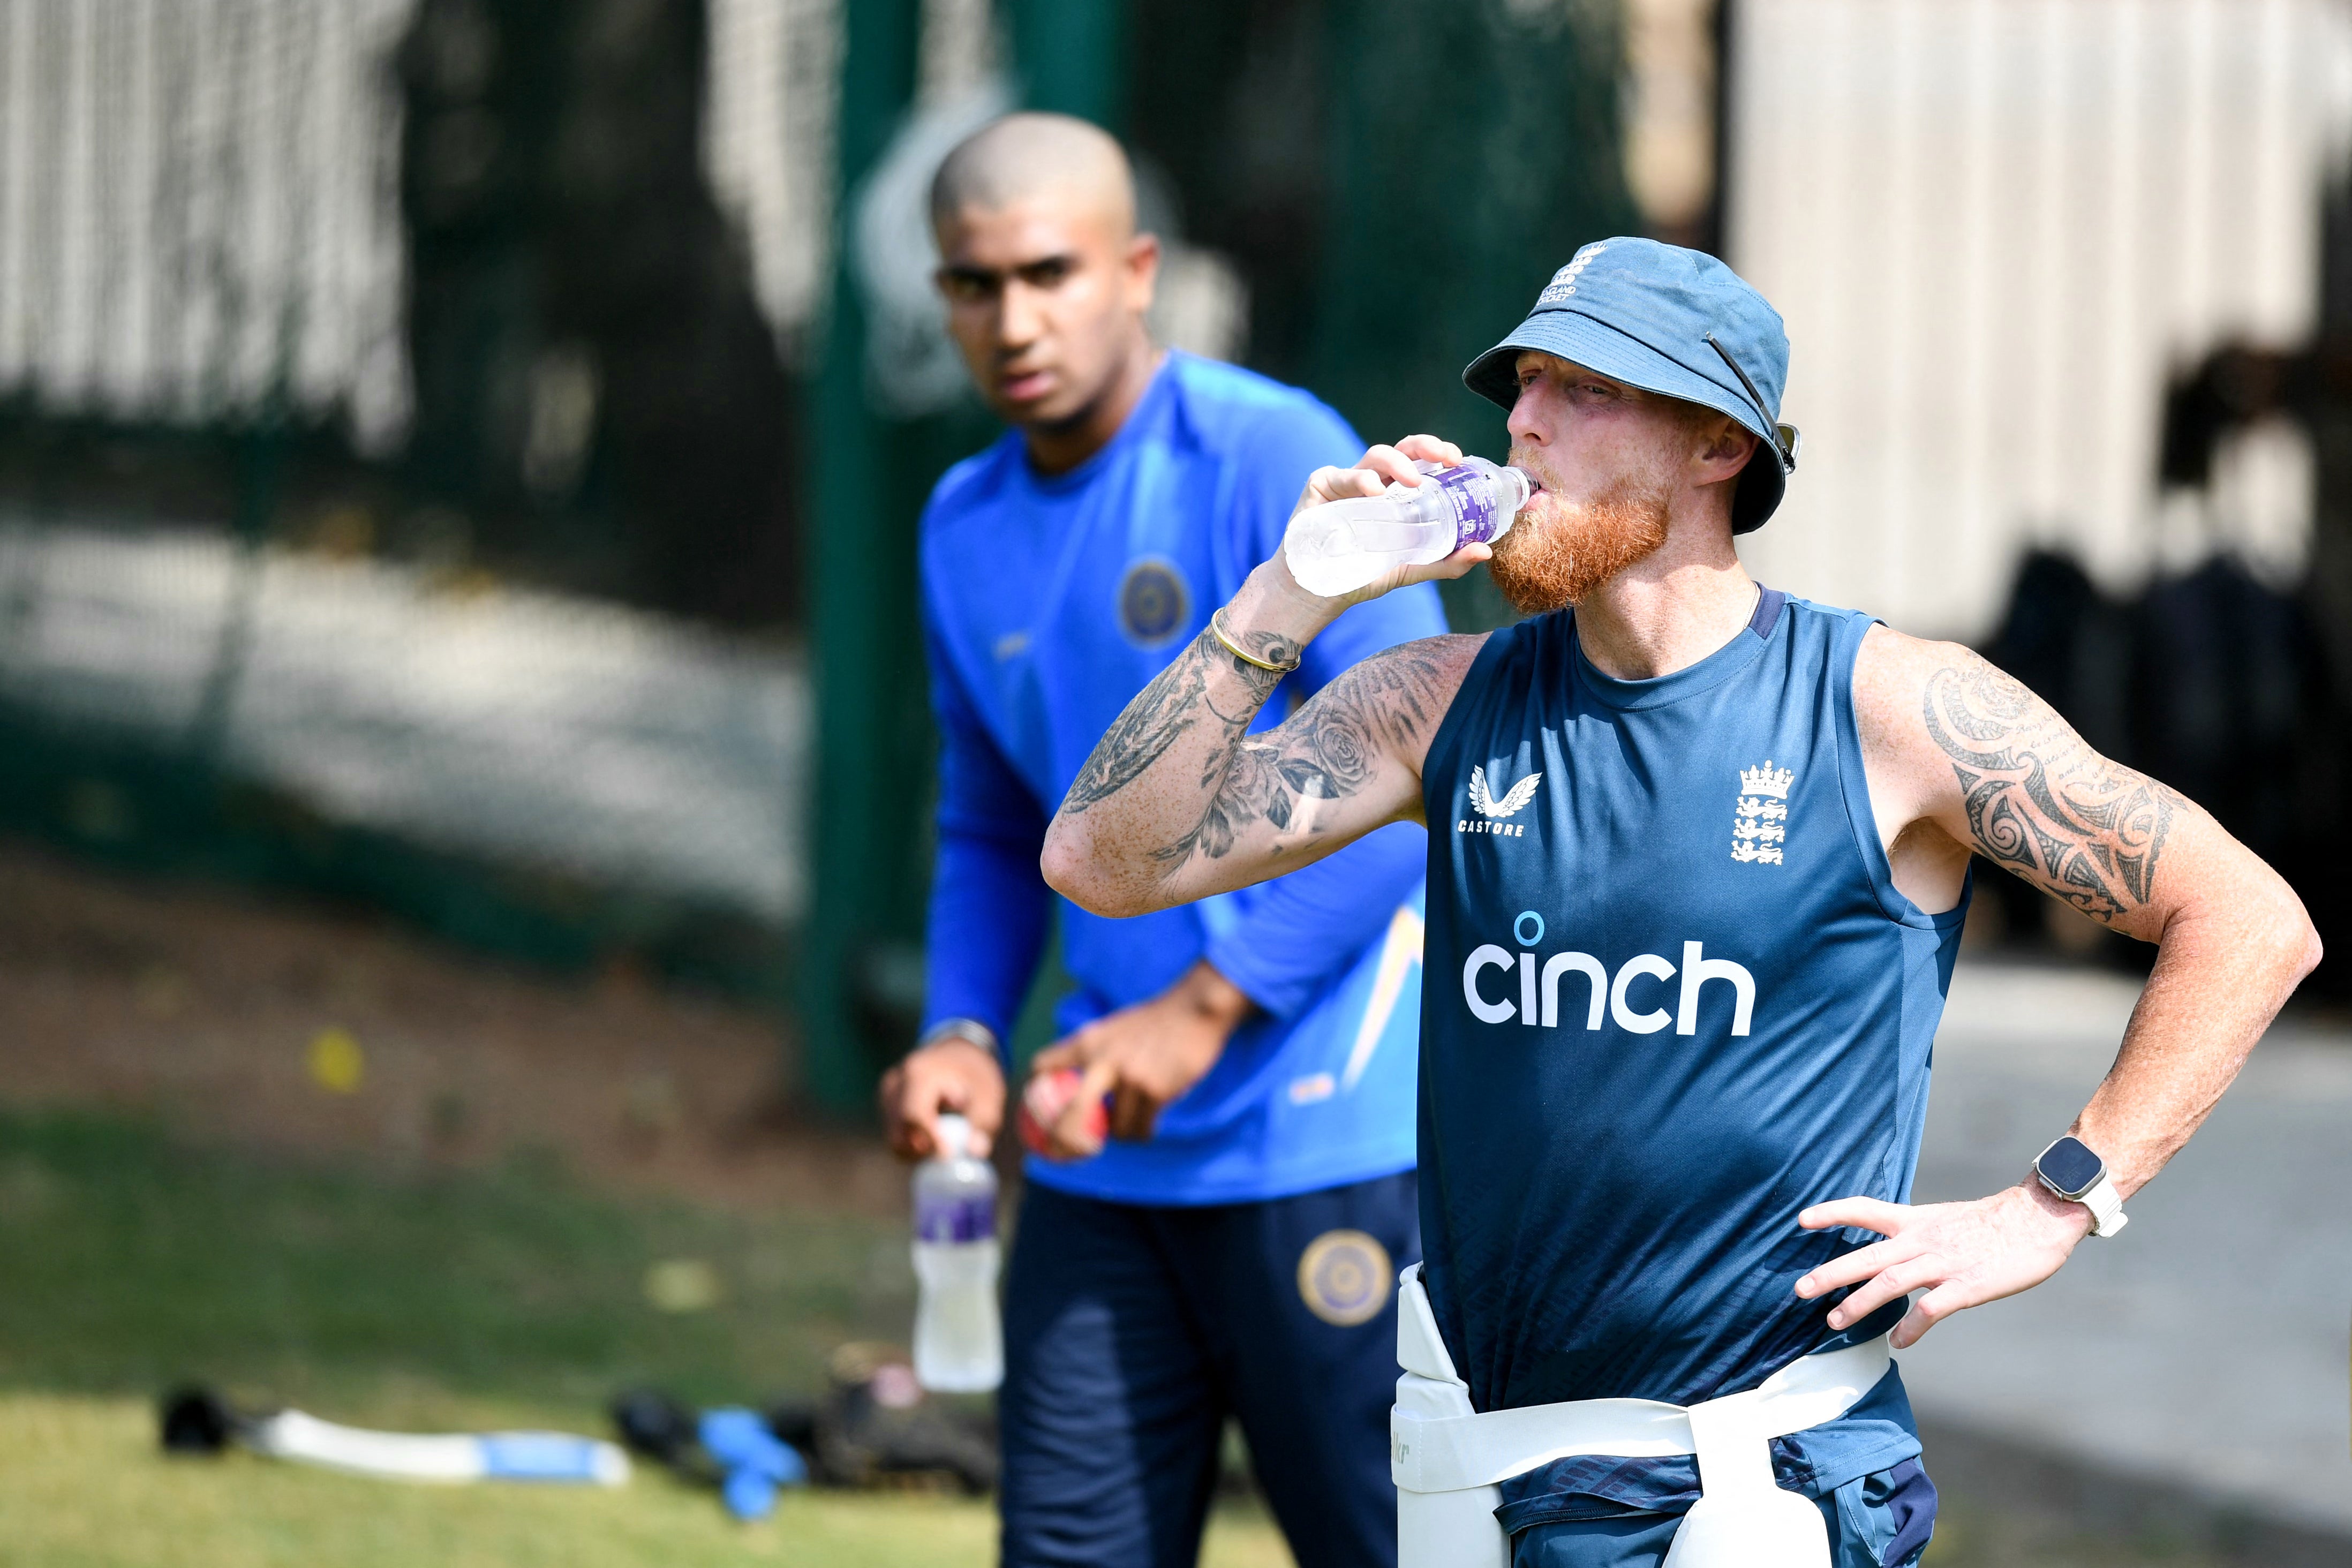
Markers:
point(384, 424)
point(1397, 180)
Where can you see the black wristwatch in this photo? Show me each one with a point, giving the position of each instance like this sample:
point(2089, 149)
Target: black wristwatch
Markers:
point(2070, 1170)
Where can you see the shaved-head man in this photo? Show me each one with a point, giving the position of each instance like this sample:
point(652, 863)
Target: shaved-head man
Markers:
point(1231, 1251)
point(1047, 280)
point(1021, 155)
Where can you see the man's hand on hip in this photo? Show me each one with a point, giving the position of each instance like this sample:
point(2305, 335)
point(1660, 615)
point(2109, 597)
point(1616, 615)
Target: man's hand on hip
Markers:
point(1962, 1255)
point(1143, 1056)
point(955, 1075)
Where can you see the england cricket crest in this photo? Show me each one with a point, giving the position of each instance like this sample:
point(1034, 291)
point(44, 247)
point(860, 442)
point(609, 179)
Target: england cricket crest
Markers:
point(1760, 823)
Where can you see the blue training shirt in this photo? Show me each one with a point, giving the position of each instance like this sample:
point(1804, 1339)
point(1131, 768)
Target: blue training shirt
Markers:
point(1049, 603)
point(1676, 1000)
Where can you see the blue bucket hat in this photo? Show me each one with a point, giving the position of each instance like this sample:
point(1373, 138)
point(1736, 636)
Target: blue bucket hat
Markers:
point(1674, 322)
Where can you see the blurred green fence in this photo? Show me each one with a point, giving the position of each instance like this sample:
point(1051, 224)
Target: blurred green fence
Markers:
point(395, 471)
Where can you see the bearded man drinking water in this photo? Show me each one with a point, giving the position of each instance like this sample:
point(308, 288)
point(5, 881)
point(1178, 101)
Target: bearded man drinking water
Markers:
point(1675, 1042)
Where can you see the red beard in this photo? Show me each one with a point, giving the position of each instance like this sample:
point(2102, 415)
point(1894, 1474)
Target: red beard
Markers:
point(1553, 558)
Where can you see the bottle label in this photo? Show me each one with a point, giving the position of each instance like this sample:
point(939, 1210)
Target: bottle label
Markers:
point(964, 1217)
point(1472, 494)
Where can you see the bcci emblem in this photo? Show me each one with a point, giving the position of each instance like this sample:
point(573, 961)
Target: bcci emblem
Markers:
point(1154, 605)
point(1345, 1278)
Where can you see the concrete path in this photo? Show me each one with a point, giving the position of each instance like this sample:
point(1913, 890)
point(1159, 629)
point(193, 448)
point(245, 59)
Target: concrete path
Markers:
point(532, 726)
point(2207, 1345)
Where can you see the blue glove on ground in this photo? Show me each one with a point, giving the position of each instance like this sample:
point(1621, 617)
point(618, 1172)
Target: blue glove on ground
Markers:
point(754, 1460)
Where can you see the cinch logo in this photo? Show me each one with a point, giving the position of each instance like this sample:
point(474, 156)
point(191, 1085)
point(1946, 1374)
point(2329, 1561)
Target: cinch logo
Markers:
point(1492, 811)
point(1538, 998)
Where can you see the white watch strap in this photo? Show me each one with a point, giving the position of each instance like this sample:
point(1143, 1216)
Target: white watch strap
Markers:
point(2106, 1207)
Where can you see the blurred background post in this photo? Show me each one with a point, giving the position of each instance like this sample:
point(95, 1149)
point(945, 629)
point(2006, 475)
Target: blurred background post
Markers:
point(861, 972)
point(462, 712)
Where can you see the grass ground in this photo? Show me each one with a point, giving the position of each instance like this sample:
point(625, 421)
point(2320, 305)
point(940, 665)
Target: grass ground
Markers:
point(136, 1260)
point(463, 1299)
point(85, 1488)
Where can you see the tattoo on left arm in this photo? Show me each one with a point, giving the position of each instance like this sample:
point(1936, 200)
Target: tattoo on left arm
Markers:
point(2042, 803)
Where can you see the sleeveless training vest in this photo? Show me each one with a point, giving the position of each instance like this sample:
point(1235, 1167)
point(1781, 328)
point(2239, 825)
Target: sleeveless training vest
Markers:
point(1672, 999)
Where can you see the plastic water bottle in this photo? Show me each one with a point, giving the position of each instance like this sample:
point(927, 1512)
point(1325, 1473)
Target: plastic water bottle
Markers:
point(959, 1339)
point(1339, 546)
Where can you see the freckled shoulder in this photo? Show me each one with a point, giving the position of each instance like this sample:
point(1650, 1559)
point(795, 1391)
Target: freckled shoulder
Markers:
point(1891, 675)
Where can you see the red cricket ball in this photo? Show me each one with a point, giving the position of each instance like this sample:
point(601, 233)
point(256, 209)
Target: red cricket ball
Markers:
point(1048, 1095)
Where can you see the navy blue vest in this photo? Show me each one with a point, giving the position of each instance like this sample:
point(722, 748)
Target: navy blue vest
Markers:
point(1673, 998)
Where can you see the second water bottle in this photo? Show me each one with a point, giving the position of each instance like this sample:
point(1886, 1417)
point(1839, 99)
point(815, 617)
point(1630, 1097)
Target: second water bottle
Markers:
point(959, 1338)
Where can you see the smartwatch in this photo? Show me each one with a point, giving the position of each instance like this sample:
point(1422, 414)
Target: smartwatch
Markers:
point(2069, 1169)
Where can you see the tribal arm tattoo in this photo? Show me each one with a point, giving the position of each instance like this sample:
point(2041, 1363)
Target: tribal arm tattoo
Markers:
point(2042, 803)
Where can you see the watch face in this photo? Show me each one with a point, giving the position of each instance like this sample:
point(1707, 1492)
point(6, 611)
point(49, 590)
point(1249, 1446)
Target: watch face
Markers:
point(2069, 1168)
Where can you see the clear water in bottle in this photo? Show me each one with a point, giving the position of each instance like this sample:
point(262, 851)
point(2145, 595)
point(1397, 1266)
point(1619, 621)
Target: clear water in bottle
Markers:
point(1341, 546)
point(959, 1338)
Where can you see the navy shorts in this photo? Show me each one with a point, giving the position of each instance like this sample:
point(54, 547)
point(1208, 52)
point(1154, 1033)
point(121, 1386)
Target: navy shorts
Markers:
point(1879, 1520)
point(1132, 1332)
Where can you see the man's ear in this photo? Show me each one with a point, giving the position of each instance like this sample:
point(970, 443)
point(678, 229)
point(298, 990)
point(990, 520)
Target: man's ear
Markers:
point(1142, 269)
point(1725, 448)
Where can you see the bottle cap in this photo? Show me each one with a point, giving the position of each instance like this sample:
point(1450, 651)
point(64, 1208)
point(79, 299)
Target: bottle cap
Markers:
point(1514, 480)
point(955, 1137)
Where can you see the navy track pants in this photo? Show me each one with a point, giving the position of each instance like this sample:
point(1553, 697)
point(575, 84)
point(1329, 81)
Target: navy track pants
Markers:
point(1132, 1332)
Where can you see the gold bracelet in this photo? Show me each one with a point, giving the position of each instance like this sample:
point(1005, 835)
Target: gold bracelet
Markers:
point(1217, 630)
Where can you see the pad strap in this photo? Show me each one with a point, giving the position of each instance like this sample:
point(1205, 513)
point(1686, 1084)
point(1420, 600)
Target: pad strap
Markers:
point(1453, 1453)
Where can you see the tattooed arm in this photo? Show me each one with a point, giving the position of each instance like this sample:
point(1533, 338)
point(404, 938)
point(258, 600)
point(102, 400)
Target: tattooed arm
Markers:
point(1960, 758)
point(1179, 800)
